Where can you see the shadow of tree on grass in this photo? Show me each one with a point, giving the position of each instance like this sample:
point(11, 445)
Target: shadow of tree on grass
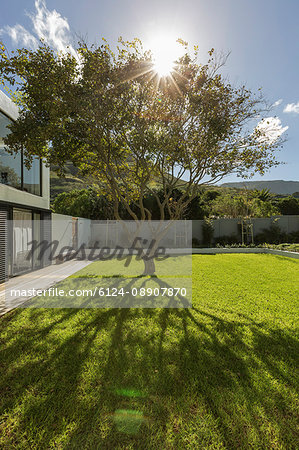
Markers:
point(185, 378)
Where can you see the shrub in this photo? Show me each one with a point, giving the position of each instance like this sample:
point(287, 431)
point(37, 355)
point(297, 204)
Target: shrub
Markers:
point(293, 238)
point(288, 205)
point(271, 235)
point(227, 240)
point(195, 243)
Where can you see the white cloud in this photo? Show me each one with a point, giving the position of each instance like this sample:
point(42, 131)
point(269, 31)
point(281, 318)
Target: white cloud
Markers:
point(47, 25)
point(270, 129)
point(292, 108)
point(52, 27)
point(277, 103)
point(20, 36)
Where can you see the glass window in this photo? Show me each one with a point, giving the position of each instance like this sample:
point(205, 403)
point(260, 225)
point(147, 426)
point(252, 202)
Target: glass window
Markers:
point(31, 180)
point(10, 169)
point(4, 121)
point(10, 165)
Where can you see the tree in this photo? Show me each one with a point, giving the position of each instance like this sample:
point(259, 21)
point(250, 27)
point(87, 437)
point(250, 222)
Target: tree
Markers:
point(88, 203)
point(246, 204)
point(92, 204)
point(124, 127)
point(263, 194)
point(288, 205)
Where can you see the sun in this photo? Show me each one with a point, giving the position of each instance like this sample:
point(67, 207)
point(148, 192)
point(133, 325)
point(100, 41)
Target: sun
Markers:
point(165, 51)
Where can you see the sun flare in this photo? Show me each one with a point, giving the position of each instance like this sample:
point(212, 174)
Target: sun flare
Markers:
point(165, 51)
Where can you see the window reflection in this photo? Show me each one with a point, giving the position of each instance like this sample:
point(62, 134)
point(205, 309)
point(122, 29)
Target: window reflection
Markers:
point(31, 181)
point(10, 169)
point(11, 166)
point(4, 121)
point(22, 235)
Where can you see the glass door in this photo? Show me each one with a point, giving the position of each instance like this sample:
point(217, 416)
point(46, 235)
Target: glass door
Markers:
point(22, 235)
point(36, 237)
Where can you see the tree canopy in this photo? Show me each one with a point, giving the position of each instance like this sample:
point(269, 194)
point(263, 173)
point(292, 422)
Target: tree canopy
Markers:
point(244, 204)
point(124, 127)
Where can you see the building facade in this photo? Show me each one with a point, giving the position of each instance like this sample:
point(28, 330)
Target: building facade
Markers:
point(24, 203)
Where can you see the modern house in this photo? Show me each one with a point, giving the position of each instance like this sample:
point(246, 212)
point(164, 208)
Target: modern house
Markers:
point(24, 203)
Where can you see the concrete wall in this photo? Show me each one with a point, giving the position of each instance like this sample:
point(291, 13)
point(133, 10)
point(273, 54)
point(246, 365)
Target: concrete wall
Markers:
point(111, 233)
point(227, 227)
point(288, 224)
point(106, 233)
point(13, 195)
point(84, 232)
point(8, 107)
point(62, 231)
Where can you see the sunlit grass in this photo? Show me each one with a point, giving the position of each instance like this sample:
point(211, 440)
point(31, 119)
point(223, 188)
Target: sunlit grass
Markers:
point(130, 266)
point(219, 375)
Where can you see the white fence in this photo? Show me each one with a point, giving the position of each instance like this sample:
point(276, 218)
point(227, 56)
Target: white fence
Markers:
point(110, 233)
point(74, 231)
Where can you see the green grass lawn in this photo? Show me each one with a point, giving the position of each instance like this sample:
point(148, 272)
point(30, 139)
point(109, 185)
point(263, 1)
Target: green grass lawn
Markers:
point(219, 375)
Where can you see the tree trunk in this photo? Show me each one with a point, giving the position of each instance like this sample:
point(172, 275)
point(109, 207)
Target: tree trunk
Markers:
point(149, 266)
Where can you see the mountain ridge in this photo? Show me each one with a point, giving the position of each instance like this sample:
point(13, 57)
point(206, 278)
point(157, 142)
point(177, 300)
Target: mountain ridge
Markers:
point(282, 187)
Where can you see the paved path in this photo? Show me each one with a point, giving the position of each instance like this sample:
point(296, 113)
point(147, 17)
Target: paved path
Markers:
point(39, 279)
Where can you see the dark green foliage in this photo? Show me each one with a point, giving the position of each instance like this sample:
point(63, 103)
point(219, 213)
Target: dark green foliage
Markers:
point(288, 205)
point(197, 209)
point(86, 203)
point(263, 194)
point(208, 195)
point(271, 235)
point(195, 243)
point(91, 204)
point(293, 238)
point(207, 232)
point(227, 240)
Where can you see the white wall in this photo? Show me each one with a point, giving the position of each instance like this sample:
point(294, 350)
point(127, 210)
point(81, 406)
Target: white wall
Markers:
point(62, 231)
point(84, 232)
point(227, 227)
point(90, 231)
point(8, 107)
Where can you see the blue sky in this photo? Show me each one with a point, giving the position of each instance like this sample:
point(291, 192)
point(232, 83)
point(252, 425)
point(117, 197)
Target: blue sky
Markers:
point(262, 36)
